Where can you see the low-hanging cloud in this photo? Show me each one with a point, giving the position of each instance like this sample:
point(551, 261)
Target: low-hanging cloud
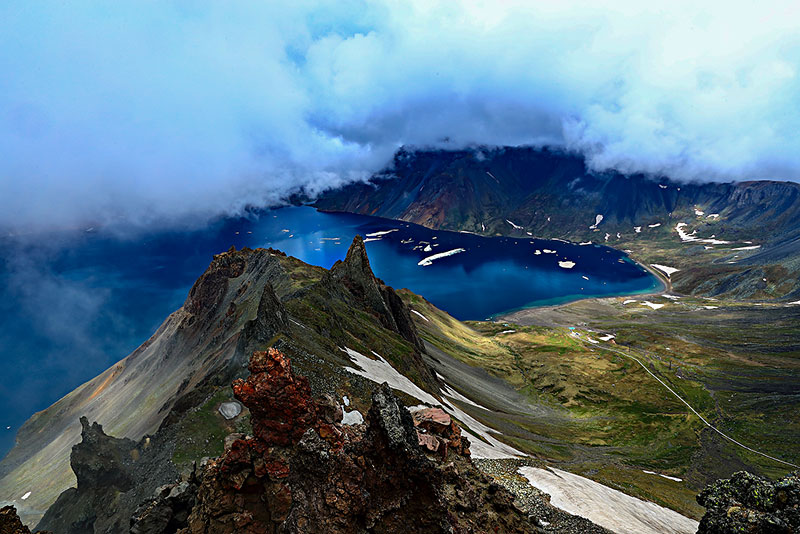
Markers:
point(162, 110)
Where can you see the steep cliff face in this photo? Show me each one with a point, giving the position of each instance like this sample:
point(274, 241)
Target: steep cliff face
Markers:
point(524, 191)
point(551, 194)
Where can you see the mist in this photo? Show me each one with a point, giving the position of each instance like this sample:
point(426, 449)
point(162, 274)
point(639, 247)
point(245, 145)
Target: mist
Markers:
point(154, 113)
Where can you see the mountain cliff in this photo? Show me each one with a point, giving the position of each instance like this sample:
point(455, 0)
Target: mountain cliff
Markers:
point(548, 194)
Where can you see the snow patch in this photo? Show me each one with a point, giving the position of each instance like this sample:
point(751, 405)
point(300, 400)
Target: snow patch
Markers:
point(664, 269)
point(656, 225)
point(629, 301)
point(351, 418)
point(453, 394)
point(753, 247)
point(28, 494)
point(494, 449)
point(597, 220)
point(381, 371)
point(607, 507)
point(676, 479)
point(652, 305)
point(688, 238)
point(506, 332)
point(516, 227)
point(418, 313)
point(637, 229)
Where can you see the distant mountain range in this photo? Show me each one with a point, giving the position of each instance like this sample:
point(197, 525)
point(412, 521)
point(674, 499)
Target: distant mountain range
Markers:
point(548, 194)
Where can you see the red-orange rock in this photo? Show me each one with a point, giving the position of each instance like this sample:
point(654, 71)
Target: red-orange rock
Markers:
point(437, 432)
point(280, 403)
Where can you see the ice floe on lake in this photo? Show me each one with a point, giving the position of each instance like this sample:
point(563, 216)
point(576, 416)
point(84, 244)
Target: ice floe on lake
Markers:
point(430, 259)
point(381, 233)
point(566, 264)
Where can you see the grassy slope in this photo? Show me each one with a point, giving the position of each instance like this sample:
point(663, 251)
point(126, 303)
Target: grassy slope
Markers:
point(622, 421)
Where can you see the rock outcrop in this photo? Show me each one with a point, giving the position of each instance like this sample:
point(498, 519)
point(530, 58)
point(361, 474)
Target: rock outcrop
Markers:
point(114, 476)
point(751, 504)
point(355, 273)
point(437, 432)
point(10, 523)
point(302, 471)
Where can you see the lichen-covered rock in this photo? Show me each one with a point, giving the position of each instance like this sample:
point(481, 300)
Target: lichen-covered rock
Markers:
point(323, 477)
point(750, 504)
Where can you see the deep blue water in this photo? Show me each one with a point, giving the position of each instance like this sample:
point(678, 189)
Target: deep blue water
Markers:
point(72, 305)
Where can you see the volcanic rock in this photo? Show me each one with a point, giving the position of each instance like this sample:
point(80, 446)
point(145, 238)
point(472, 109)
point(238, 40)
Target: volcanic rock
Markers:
point(751, 504)
point(10, 522)
point(437, 432)
point(303, 471)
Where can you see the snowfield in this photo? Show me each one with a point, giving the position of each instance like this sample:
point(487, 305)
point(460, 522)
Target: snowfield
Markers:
point(607, 507)
point(664, 269)
point(381, 371)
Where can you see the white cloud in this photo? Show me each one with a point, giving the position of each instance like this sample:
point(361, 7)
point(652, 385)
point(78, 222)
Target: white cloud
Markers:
point(153, 110)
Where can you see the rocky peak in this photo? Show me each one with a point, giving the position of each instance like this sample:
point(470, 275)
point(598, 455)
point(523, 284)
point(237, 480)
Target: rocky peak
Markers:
point(100, 460)
point(208, 290)
point(355, 273)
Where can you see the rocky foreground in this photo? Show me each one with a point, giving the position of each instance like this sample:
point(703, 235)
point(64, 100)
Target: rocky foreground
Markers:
point(302, 470)
point(751, 504)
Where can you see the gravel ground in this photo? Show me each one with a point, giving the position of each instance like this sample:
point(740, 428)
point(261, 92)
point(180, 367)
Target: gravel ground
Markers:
point(547, 518)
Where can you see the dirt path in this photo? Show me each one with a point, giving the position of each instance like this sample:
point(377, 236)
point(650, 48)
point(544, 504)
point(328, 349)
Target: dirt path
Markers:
point(703, 419)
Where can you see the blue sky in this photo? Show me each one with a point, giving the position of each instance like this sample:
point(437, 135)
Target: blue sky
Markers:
point(158, 111)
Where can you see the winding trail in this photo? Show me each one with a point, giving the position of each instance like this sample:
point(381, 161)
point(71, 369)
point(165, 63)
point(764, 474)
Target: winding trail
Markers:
point(703, 419)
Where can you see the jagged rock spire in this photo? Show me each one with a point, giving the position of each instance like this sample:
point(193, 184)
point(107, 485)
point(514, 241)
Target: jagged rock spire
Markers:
point(356, 274)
